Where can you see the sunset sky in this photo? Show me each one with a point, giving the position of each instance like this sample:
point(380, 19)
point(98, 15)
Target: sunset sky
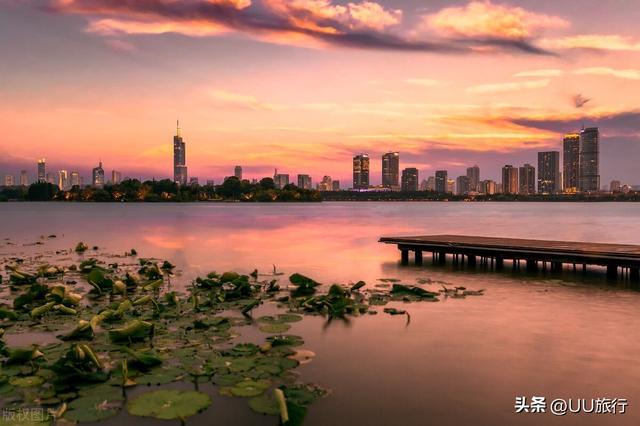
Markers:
point(303, 85)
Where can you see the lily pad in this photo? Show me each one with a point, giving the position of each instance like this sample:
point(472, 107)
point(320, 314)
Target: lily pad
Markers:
point(26, 382)
point(248, 388)
point(94, 408)
point(274, 328)
point(265, 404)
point(169, 404)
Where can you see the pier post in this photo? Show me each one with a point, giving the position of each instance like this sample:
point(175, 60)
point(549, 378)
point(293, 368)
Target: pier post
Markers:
point(471, 260)
point(612, 272)
point(404, 256)
point(442, 258)
point(499, 263)
point(418, 257)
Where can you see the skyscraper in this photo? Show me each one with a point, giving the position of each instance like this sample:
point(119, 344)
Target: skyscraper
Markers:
point(589, 160)
point(361, 171)
point(509, 179)
point(75, 179)
point(441, 181)
point(24, 178)
point(390, 169)
point(527, 180)
point(463, 185)
point(179, 158)
point(97, 176)
point(326, 184)
point(116, 177)
point(410, 179)
point(280, 180)
point(237, 172)
point(571, 162)
point(473, 173)
point(63, 180)
point(9, 180)
point(304, 181)
point(335, 185)
point(42, 170)
point(549, 172)
point(51, 178)
point(488, 187)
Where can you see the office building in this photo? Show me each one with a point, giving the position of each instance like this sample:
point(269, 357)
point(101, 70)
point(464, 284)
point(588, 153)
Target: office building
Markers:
point(390, 170)
point(451, 186)
point(116, 177)
point(410, 179)
point(549, 181)
point(441, 181)
point(570, 162)
point(75, 179)
point(615, 186)
point(335, 185)
point(63, 180)
point(509, 179)
point(24, 178)
point(193, 181)
point(488, 187)
point(361, 171)
point(304, 182)
point(9, 180)
point(473, 173)
point(589, 160)
point(280, 180)
point(463, 184)
point(326, 184)
point(42, 170)
point(237, 172)
point(179, 158)
point(527, 175)
point(51, 178)
point(97, 176)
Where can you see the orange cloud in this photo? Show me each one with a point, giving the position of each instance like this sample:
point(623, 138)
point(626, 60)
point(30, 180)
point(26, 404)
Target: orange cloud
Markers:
point(486, 19)
point(108, 27)
point(508, 87)
point(594, 41)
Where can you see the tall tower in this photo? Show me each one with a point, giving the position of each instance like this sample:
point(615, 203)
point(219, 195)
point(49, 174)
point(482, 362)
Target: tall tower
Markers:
point(42, 170)
point(589, 159)
point(509, 179)
point(473, 173)
point(179, 158)
point(390, 169)
point(571, 162)
point(548, 172)
point(361, 171)
point(527, 175)
point(441, 181)
point(98, 176)
point(237, 172)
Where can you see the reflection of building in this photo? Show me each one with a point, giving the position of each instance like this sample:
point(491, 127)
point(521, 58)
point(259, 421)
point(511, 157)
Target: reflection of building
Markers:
point(509, 179)
point(549, 172)
point(237, 172)
point(589, 160)
point(390, 169)
point(441, 181)
point(463, 183)
point(42, 170)
point(24, 178)
point(97, 179)
point(615, 186)
point(9, 180)
point(410, 179)
point(280, 180)
point(179, 158)
point(75, 179)
point(63, 180)
point(570, 162)
point(304, 181)
point(473, 173)
point(361, 171)
point(116, 177)
point(527, 180)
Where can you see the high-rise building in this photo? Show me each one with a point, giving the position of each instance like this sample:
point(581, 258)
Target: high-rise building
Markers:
point(431, 183)
point(179, 158)
point(24, 178)
point(509, 179)
point(473, 173)
point(42, 170)
point(463, 185)
point(451, 186)
point(326, 184)
point(410, 179)
point(237, 172)
point(390, 169)
point(51, 178)
point(193, 181)
point(549, 172)
point(335, 185)
point(280, 180)
point(9, 180)
point(304, 182)
point(75, 179)
point(589, 160)
point(527, 180)
point(615, 186)
point(97, 176)
point(361, 171)
point(488, 187)
point(63, 180)
point(441, 181)
point(571, 162)
point(116, 177)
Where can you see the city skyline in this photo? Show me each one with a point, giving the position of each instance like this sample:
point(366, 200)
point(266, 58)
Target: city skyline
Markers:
point(88, 80)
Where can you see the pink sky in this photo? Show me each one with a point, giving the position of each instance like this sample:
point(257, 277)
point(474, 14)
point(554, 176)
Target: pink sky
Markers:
point(303, 85)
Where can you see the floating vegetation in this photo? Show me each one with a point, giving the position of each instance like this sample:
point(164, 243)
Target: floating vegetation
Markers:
point(121, 326)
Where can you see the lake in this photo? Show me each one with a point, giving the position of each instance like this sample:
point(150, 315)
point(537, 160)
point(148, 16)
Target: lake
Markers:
point(458, 361)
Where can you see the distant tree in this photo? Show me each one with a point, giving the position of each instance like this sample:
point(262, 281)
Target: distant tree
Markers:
point(230, 188)
point(42, 191)
point(267, 183)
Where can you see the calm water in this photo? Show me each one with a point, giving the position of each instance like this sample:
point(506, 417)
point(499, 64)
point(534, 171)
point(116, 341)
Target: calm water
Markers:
point(458, 361)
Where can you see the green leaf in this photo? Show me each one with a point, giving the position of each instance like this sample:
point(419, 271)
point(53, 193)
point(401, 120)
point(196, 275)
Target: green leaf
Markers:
point(249, 388)
point(264, 404)
point(274, 328)
point(93, 408)
point(169, 404)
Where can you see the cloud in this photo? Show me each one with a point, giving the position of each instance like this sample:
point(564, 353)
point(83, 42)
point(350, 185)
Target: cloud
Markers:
point(630, 74)
point(508, 87)
point(309, 23)
point(485, 19)
point(618, 123)
point(552, 72)
point(610, 42)
point(424, 82)
point(228, 99)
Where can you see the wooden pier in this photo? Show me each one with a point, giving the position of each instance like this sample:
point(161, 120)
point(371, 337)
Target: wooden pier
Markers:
point(492, 252)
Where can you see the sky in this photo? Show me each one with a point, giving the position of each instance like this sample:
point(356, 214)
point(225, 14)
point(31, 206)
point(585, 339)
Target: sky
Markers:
point(303, 85)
